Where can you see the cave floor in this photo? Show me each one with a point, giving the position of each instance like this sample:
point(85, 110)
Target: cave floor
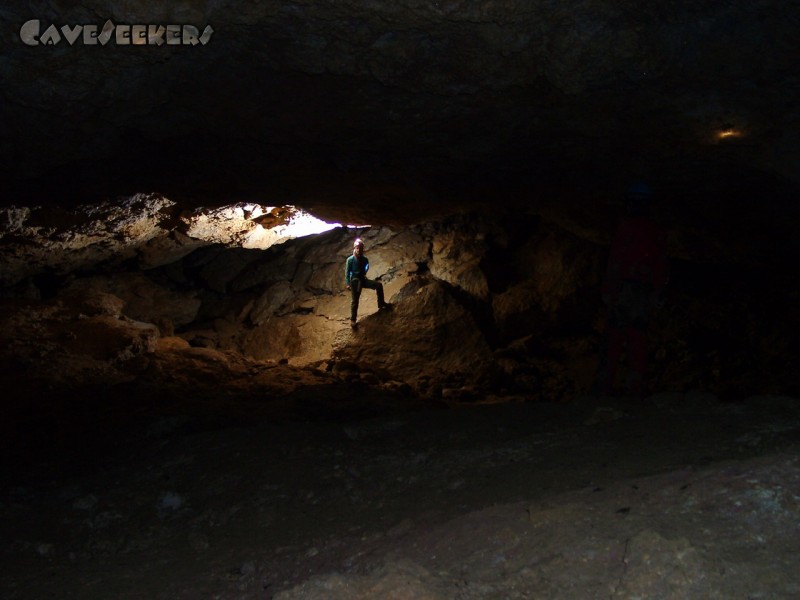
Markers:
point(679, 496)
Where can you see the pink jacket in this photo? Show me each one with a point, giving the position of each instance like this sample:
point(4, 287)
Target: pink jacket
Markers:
point(638, 253)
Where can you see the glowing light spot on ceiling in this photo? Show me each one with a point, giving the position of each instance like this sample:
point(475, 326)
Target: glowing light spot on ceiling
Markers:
point(728, 132)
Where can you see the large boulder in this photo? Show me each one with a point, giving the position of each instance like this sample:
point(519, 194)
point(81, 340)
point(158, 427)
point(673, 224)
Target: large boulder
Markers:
point(143, 299)
point(553, 274)
point(456, 259)
point(76, 340)
point(424, 339)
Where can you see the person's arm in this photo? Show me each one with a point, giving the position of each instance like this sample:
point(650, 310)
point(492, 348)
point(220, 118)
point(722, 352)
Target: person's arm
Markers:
point(613, 275)
point(347, 271)
point(661, 264)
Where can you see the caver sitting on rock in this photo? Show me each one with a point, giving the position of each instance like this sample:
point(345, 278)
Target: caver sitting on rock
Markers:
point(355, 276)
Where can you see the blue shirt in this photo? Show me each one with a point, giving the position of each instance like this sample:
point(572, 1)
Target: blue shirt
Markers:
point(355, 267)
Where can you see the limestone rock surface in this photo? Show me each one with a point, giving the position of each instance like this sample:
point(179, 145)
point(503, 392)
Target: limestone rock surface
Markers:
point(422, 340)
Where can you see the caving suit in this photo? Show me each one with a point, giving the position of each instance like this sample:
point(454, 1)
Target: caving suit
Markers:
point(355, 276)
point(635, 279)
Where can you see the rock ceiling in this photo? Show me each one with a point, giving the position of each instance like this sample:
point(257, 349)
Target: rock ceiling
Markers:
point(382, 109)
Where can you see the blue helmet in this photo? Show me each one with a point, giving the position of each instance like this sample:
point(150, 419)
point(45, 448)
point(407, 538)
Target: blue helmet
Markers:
point(640, 190)
point(637, 200)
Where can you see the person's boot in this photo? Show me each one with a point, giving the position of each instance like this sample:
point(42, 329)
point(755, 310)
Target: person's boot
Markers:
point(381, 302)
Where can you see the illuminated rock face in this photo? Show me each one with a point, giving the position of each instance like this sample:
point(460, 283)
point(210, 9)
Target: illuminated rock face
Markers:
point(483, 305)
point(447, 280)
point(148, 229)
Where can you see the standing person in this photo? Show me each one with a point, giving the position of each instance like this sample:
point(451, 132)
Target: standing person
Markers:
point(637, 273)
point(355, 276)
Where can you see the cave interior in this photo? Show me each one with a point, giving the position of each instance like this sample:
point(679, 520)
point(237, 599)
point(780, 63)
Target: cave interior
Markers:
point(176, 218)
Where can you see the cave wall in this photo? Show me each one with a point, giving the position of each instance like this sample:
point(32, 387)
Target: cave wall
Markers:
point(485, 304)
